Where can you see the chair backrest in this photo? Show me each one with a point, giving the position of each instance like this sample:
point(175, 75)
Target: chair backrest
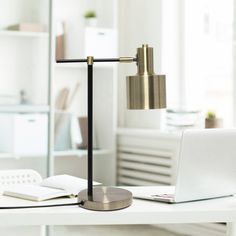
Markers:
point(20, 176)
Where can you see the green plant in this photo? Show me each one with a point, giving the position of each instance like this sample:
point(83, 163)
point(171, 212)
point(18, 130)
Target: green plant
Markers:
point(211, 115)
point(90, 14)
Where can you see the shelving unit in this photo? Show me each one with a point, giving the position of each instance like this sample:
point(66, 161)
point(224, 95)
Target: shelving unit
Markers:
point(28, 53)
point(29, 65)
point(105, 79)
point(24, 70)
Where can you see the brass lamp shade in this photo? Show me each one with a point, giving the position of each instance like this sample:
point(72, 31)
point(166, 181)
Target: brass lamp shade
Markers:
point(145, 90)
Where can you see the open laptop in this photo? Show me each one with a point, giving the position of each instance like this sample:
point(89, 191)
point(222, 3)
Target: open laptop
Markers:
point(206, 168)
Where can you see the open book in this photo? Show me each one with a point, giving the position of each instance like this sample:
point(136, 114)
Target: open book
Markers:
point(52, 187)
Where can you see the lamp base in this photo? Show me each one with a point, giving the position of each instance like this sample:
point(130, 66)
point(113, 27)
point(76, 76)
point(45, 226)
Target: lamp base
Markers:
point(106, 199)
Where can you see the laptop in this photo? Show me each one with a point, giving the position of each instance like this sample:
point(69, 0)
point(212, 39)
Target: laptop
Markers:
point(206, 168)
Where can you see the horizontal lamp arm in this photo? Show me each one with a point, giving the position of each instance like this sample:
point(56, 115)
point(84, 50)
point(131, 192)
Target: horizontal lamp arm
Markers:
point(120, 59)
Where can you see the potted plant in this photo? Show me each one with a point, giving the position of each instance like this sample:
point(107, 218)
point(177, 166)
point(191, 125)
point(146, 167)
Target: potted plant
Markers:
point(211, 121)
point(90, 18)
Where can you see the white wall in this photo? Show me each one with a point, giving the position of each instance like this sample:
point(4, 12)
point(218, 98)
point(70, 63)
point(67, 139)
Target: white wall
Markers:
point(234, 70)
point(154, 22)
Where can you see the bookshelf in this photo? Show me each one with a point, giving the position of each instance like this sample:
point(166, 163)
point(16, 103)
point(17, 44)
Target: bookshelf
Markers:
point(29, 65)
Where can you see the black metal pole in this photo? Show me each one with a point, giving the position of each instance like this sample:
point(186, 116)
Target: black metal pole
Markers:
point(90, 61)
point(127, 59)
point(85, 60)
point(90, 131)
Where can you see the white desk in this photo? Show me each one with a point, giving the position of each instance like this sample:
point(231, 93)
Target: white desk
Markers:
point(141, 212)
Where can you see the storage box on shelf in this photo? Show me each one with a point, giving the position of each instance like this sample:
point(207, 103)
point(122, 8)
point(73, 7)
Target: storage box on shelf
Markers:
point(24, 135)
point(105, 38)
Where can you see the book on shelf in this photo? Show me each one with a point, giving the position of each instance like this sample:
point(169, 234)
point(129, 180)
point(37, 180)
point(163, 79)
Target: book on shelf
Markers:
point(52, 187)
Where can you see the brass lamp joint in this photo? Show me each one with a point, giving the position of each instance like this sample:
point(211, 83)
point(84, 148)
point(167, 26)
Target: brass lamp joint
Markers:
point(90, 60)
point(127, 59)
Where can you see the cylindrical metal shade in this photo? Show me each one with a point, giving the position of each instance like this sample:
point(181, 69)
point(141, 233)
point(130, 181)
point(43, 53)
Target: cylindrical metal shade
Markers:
point(145, 90)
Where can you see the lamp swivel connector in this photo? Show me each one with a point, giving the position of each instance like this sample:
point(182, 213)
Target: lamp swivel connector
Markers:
point(127, 59)
point(90, 60)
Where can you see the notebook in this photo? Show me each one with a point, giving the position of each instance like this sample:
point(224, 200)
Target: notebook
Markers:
point(49, 188)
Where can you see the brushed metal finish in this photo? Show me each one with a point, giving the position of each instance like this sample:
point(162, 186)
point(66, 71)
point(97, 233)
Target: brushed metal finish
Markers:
point(145, 60)
point(127, 59)
point(106, 199)
point(90, 60)
point(146, 90)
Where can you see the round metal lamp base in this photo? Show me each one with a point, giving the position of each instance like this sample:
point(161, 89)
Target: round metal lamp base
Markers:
point(106, 199)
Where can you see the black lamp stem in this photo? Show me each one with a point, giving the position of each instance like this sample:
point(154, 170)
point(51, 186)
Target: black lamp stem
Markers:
point(90, 131)
point(90, 109)
point(85, 60)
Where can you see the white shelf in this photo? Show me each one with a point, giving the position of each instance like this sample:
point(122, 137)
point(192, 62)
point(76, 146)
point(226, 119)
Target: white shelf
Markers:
point(24, 109)
point(80, 153)
point(20, 156)
point(12, 33)
point(13, 156)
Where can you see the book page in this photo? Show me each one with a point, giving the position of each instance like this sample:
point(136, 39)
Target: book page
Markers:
point(68, 183)
point(34, 192)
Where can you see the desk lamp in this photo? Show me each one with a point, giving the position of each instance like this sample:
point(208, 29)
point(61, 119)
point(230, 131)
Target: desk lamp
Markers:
point(145, 90)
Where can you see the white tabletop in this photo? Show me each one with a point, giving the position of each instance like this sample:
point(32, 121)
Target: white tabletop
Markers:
point(140, 212)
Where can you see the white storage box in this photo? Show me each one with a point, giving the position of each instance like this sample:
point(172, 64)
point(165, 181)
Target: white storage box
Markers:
point(100, 42)
point(24, 135)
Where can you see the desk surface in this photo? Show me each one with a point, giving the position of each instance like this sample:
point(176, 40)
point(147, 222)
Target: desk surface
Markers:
point(141, 212)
